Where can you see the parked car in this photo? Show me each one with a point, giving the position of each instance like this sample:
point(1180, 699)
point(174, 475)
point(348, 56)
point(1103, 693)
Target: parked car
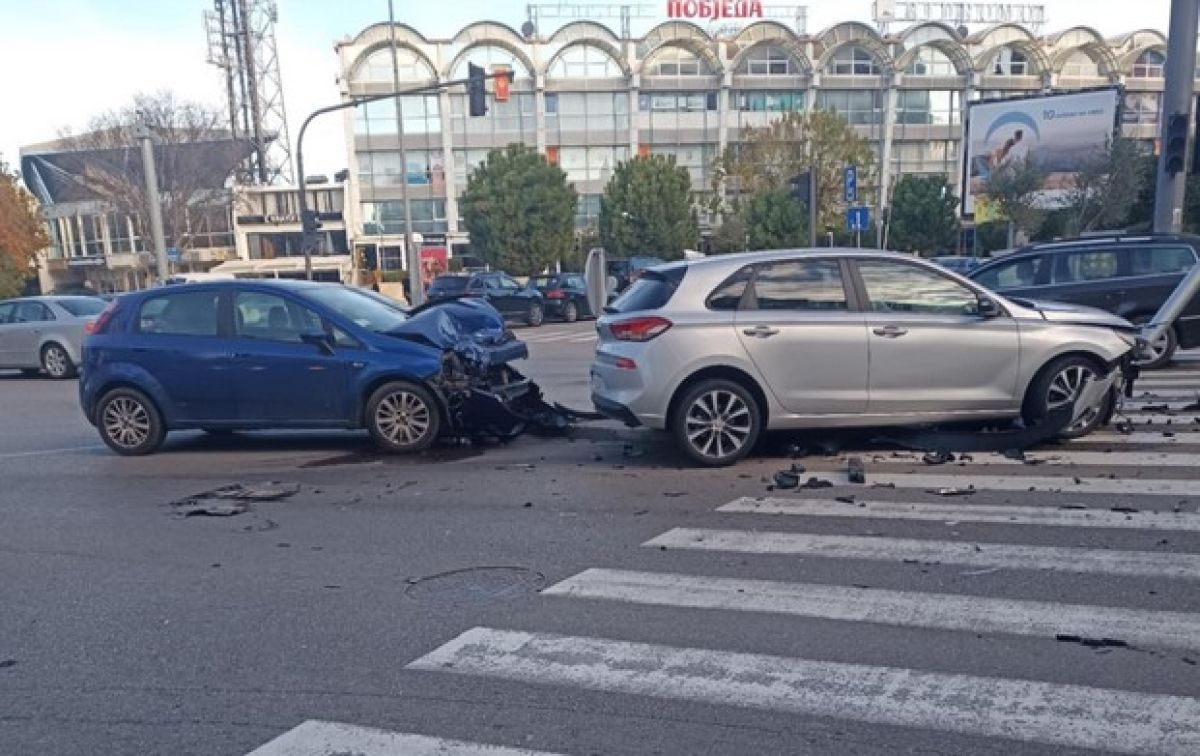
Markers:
point(225, 356)
point(628, 270)
point(718, 350)
point(564, 294)
point(500, 290)
point(1131, 276)
point(44, 333)
point(958, 264)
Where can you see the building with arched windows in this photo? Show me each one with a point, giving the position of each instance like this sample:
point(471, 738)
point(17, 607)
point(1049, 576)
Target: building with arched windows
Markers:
point(588, 99)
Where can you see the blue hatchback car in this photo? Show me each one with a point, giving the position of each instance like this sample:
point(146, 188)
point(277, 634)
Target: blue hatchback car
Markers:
point(235, 355)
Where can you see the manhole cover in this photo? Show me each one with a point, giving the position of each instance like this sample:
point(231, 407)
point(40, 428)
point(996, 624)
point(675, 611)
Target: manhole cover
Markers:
point(475, 585)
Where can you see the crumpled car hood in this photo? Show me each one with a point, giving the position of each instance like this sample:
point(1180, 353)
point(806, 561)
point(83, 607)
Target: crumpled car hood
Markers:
point(1062, 312)
point(472, 329)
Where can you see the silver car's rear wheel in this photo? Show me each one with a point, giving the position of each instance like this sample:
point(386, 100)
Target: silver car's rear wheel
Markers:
point(403, 417)
point(717, 422)
point(56, 362)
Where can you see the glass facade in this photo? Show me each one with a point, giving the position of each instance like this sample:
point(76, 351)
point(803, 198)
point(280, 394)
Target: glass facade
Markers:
point(588, 100)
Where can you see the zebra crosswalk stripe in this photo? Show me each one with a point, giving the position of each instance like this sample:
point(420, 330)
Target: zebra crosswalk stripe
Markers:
point(1125, 486)
point(928, 610)
point(317, 738)
point(1004, 514)
point(1022, 710)
point(872, 548)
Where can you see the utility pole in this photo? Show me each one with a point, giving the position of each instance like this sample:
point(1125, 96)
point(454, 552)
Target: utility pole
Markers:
point(153, 201)
point(411, 254)
point(1177, 104)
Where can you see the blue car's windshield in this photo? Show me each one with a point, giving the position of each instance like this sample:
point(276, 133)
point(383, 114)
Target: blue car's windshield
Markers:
point(365, 311)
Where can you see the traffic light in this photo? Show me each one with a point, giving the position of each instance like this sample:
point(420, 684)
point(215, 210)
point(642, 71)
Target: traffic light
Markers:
point(476, 90)
point(800, 184)
point(503, 77)
point(1175, 146)
point(310, 221)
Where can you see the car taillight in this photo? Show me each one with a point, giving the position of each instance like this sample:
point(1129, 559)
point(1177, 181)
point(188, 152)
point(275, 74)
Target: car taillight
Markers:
point(639, 329)
point(556, 294)
point(100, 324)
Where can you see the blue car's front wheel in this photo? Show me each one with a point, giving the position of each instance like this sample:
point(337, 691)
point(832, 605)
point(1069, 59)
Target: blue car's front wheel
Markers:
point(403, 417)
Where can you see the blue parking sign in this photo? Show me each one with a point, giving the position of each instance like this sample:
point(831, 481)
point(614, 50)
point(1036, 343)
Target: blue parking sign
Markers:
point(850, 184)
point(858, 218)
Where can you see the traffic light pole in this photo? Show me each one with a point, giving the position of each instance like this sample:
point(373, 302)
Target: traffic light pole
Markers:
point(302, 199)
point(1177, 102)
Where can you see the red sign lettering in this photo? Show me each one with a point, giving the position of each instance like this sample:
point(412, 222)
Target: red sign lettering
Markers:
point(714, 9)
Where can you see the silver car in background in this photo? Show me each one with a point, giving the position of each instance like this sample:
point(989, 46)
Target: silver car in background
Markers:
point(717, 350)
point(45, 333)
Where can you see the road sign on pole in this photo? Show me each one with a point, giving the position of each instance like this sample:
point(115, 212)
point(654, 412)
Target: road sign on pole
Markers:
point(858, 218)
point(850, 184)
point(174, 255)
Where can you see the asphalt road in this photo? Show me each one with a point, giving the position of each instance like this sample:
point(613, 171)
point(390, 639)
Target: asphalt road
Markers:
point(592, 595)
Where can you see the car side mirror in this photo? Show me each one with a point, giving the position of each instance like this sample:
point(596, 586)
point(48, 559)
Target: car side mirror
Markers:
point(988, 308)
point(319, 339)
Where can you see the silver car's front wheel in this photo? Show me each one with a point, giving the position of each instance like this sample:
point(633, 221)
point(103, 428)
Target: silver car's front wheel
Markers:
point(717, 422)
point(1060, 385)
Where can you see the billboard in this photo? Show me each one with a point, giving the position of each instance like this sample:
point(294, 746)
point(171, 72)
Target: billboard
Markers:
point(1059, 132)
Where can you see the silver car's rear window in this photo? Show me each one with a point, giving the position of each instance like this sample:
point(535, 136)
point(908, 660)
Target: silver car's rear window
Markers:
point(652, 291)
point(82, 307)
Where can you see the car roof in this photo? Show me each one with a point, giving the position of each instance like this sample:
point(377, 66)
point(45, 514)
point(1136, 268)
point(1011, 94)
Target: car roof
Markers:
point(748, 258)
point(1110, 238)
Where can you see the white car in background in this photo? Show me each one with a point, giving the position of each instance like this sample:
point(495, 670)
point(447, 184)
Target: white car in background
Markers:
point(44, 334)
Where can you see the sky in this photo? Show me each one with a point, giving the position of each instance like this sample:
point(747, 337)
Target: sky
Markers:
point(65, 61)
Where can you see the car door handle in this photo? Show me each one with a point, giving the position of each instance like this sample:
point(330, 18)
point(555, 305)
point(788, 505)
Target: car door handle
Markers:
point(890, 331)
point(760, 331)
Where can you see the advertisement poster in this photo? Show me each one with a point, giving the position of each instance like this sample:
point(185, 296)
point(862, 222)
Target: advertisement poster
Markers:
point(1058, 132)
point(434, 262)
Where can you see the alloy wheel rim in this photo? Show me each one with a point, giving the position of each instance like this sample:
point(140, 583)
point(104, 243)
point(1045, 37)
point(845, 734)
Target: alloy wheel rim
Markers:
point(718, 424)
point(1065, 389)
point(1154, 350)
point(56, 361)
point(535, 315)
point(403, 417)
point(126, 422)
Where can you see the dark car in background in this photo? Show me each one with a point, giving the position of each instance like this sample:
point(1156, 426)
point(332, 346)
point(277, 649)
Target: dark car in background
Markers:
point(244, 355)
point(1129, 275)
point(959, 264)
point(565, 295)
point(500, 290)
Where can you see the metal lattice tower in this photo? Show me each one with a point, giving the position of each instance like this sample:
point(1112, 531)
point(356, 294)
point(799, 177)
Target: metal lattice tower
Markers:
point(241, 42)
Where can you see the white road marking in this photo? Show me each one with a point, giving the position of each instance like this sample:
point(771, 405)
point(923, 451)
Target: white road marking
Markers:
point(910, 609)
point(1003, 514)
point(317, 738)
point(1057, 458)
point(874, 548)
point(1065, 484)
point(582, 339)
point(553, 337)
point(17, 455)
point(1022, 710)
point(1116, 439)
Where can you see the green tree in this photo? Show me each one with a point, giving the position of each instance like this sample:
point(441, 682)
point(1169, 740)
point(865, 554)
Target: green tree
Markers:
point(769, 156)
point(519, 210)
point(923, 215)
point(1014, 186)
point(1105, 187)
point(1141, 210)
point(22, 233)
point(776, 221)
point(647, 209)
point(731, 235)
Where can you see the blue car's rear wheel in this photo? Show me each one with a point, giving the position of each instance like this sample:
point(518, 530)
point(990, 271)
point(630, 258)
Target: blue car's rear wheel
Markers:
point(403, 417)
point(129, 423)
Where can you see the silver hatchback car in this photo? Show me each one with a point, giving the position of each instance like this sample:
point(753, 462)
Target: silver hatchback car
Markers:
point(720, 349)
point(45, 333)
